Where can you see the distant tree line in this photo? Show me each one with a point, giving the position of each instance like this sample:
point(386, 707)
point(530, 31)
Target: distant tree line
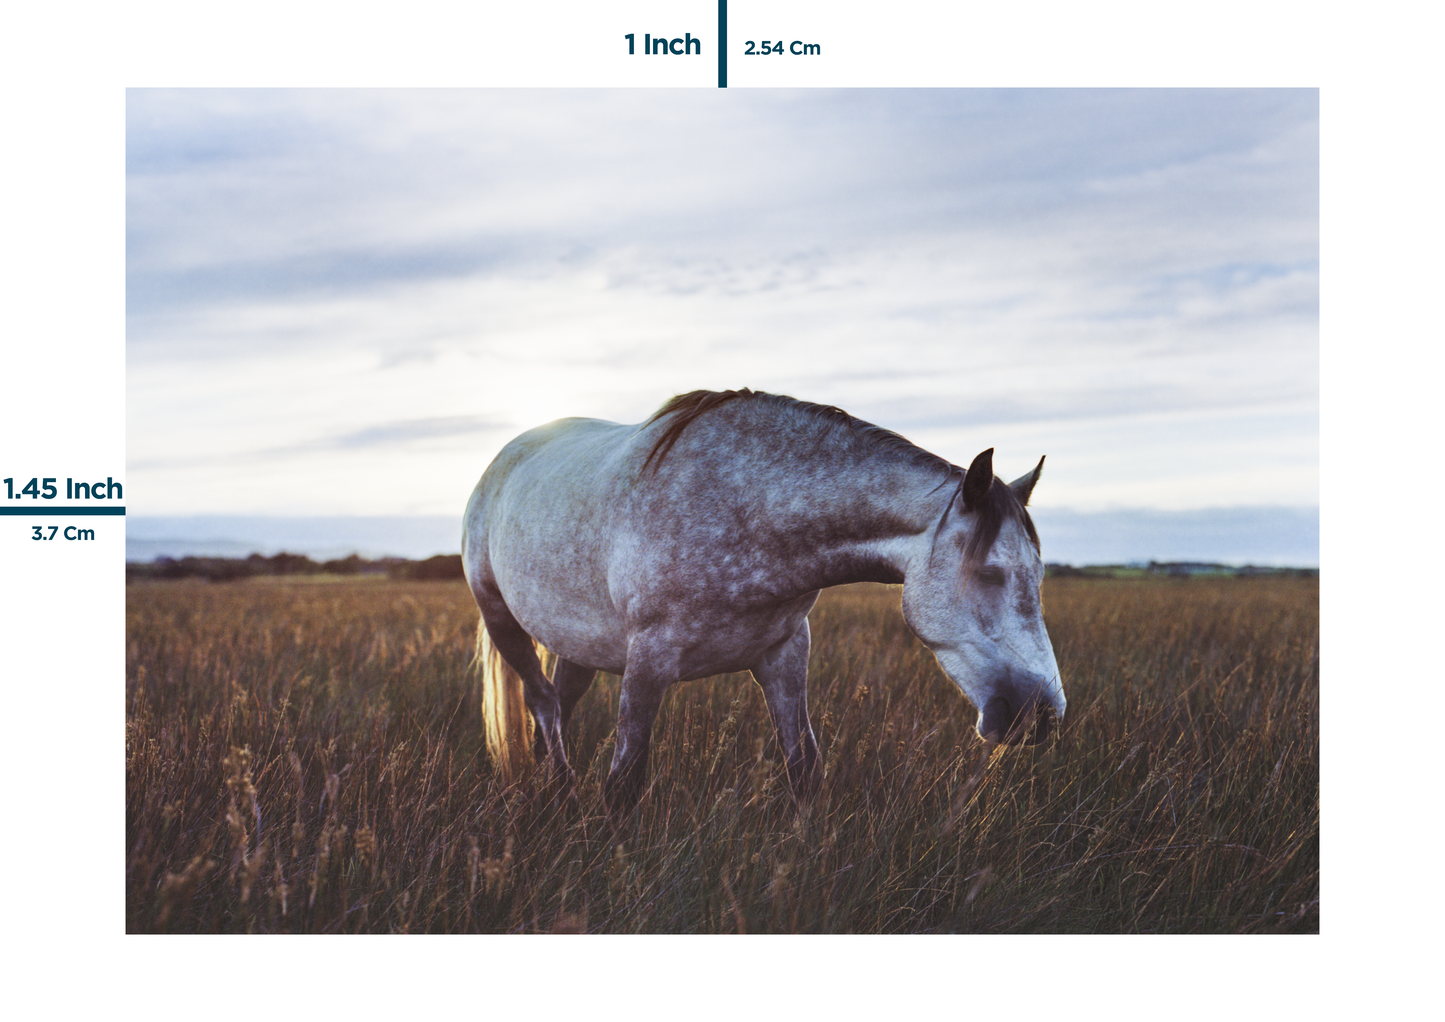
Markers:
point(1174, 569)
point(229, 569)
point(449, 566)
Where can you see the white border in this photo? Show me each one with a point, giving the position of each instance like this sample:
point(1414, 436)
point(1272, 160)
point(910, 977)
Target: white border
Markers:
point(65, 70)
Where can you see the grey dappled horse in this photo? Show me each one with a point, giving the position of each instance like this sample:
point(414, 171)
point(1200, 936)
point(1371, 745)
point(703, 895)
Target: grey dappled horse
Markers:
point(695, 544)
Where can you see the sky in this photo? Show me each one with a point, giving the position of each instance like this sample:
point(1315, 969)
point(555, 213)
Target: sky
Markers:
point(344, 303)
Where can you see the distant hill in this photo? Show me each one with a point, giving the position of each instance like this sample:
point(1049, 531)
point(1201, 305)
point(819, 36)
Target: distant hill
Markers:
point(230, 569)
point(1177, 569)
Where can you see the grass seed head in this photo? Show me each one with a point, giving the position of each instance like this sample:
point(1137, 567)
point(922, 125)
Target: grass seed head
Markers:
point(365, 842)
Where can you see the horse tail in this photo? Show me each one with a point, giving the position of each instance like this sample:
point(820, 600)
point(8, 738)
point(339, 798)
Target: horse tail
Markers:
point(506, 720)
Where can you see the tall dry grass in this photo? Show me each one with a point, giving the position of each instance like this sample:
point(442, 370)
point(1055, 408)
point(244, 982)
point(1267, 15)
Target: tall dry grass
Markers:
point(308, 757)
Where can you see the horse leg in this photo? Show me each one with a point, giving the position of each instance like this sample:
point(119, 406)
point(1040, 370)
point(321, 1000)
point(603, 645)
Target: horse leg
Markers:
point(641, 698)
point(518, 649)
point(783, 676)
point(571, 681)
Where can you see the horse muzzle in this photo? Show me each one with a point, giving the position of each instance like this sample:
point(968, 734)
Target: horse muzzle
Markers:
point(1016, 721)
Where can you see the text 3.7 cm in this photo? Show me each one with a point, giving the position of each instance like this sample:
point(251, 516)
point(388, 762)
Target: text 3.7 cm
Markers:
point(71, 532)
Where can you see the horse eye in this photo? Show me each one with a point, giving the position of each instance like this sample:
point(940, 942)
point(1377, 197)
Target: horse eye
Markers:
point(991, 576)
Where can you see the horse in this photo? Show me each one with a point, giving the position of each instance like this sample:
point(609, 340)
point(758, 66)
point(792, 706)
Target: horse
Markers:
point(695, 544)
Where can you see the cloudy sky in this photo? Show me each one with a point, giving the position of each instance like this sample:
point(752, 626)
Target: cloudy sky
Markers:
point(343, 303)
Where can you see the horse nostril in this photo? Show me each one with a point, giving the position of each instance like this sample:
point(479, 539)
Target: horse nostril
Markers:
point(996, 720)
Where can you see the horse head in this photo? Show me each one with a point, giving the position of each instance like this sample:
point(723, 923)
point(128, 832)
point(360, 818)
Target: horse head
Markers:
point(976, 602)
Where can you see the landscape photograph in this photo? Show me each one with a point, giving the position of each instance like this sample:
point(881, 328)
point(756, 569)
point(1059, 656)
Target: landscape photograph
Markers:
point(1026, 379)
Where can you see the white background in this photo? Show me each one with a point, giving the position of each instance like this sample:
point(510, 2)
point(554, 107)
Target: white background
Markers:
point(65, 71)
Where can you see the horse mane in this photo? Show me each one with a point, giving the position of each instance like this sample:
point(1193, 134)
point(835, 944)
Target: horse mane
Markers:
point(998, 504)
point(688, 408)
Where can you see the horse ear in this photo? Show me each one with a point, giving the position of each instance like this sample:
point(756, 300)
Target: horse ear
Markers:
point(977, 480)
point(1023, 486)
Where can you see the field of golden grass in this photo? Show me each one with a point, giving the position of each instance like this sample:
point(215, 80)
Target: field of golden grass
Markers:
point(306, 756)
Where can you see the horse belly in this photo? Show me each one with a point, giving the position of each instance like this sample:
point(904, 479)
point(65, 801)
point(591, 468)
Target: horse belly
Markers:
point(702, 641)
point(586, 639)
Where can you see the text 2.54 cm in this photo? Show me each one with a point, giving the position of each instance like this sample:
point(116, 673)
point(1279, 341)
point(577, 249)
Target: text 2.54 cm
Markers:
point(796, 48)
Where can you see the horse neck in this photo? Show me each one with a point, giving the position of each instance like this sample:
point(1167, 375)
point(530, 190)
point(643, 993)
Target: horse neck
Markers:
point(862, 522)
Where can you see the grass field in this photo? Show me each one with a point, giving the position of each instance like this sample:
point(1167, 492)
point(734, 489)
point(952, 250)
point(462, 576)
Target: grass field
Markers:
point(306, 756)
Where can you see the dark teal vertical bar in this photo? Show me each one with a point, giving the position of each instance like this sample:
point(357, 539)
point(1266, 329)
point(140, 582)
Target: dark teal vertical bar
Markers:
point(722, 44)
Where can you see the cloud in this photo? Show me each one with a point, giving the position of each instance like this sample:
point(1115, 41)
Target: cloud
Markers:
point(342, 274)
point(418, 429)
point(350, 188)
point(408, 433)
